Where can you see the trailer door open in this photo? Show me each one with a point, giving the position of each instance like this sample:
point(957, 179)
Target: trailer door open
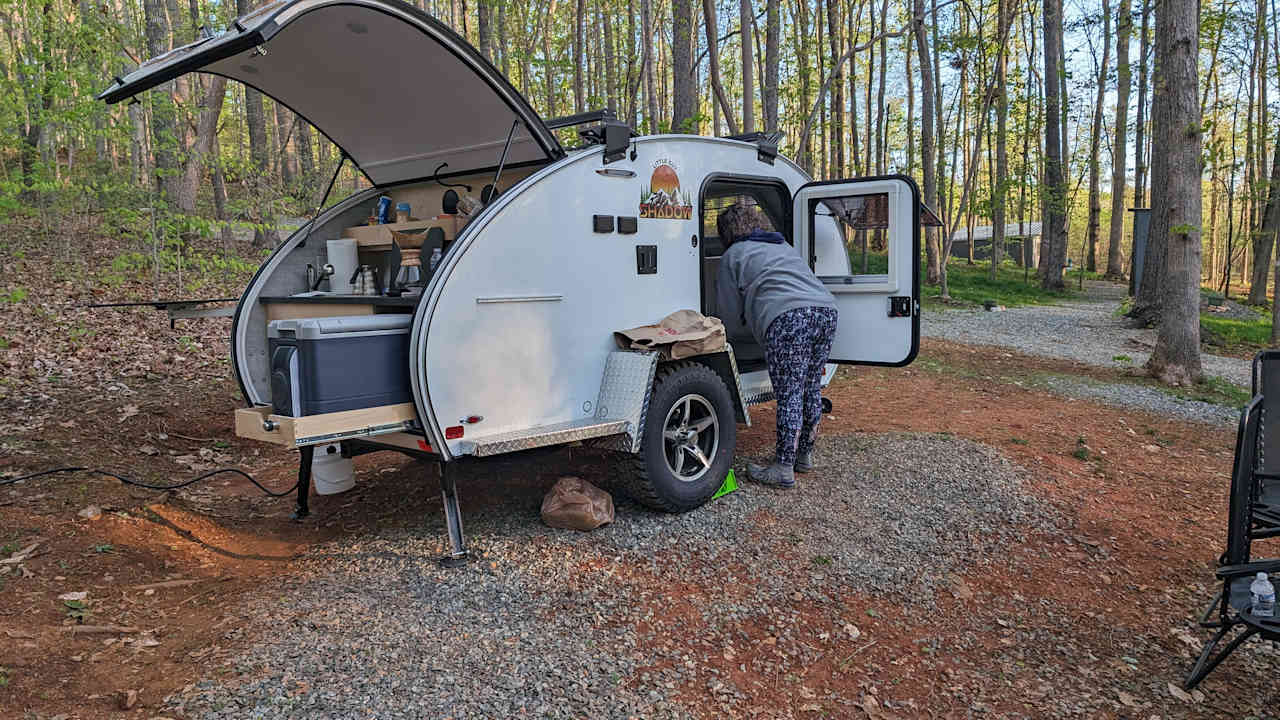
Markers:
point(862, 239)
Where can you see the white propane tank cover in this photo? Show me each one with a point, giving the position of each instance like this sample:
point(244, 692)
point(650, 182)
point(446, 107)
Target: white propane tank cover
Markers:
point(330, 472)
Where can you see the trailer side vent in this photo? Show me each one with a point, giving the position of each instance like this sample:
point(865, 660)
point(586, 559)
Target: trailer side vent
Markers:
point(627, 225)
point(602, 223)
point(647, 259)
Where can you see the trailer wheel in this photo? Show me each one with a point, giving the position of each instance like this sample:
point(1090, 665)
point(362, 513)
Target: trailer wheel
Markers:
point(689, 437)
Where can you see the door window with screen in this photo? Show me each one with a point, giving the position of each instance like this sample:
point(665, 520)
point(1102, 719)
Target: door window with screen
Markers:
point(772, 199)
point(851, 238)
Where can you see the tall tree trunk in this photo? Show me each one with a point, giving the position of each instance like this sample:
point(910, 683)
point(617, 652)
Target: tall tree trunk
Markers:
point(881, 130)
point(871, 63)
point(911, 108)
point(745, 14)
point(202, 148)
point(1095, 144)
point(803, 55)
point(610, 60)
point(684, 89)
point(854, 153)
point(548, 63)
point(999, 183)
point(646, 42)
point(164, 120)
point(484, 28)
point(284, 136)
point(1176, 186)
point(834, 34)
point(579, 14)
point(306, 155)
point(927, 149)
point(1140, 125)
point(1119, 158)
point(255, 116)
point(1262, 242)
point(502, 38)
point(1270, 227)
point(633, 71)
point(1054, 245)
point(220, 211)
point(772, 27)
point(713, 58)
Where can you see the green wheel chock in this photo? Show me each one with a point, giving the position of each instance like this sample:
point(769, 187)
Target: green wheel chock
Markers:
point(729, 485)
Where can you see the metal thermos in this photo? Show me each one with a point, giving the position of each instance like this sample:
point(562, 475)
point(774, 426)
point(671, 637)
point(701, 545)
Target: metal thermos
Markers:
point(364, 281)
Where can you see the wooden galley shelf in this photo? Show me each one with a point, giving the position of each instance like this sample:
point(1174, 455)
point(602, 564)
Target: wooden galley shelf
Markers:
point(378, 237)
point(260, 423)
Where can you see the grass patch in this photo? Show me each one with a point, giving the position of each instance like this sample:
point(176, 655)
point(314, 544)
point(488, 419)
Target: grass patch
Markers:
point(1254, 332)
point(972, 285)
point(1215, 390)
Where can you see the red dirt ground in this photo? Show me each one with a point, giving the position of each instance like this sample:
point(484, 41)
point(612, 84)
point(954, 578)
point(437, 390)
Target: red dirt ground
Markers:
point(1145, 511)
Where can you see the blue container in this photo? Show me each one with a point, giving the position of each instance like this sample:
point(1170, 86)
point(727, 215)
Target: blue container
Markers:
point(384, 210)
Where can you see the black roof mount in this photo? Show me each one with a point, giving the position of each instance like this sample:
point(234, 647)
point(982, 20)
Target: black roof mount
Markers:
point(766, 143)
point(581, 118)
point(613, 134)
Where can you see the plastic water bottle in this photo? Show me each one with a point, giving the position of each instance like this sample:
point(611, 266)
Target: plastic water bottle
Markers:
point(435, 258)
point(1264, 596)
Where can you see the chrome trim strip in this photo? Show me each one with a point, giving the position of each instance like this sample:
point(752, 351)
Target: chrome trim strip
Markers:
point(517, 299)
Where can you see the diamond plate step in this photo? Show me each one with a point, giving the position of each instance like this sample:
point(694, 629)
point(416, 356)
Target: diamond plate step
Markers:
point(530, 438)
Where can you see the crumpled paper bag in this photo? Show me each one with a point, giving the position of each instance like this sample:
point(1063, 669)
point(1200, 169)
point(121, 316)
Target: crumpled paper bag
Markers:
point(576, 504)
point(682, 334)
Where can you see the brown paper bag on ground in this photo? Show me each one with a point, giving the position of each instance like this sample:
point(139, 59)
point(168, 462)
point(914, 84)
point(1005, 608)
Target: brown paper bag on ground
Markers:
point(576, 504)
point(682, 334)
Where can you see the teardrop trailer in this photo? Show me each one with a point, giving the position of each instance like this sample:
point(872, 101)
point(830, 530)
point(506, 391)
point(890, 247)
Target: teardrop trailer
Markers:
point(509, 344)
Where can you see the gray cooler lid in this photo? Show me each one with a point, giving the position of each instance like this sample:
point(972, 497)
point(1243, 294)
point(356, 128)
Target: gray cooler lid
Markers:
point(333, 327)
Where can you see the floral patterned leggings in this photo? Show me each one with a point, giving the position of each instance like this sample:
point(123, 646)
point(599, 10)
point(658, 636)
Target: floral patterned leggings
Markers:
point(797, 344)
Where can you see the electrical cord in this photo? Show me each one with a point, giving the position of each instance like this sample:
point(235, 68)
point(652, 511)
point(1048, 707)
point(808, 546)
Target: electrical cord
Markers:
point(128, 481)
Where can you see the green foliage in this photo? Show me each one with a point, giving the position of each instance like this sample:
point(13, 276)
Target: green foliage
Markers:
point(1253, 332)
point(1211, 389)
point(77, 610)
point(13, 296)
point(971, 284)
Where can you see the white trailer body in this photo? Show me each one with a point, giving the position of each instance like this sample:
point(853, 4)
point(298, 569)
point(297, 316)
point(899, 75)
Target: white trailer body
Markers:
point(511, 343)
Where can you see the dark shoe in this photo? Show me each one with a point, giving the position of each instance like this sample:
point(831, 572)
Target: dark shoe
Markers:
point(775, 475)
point(804, 462)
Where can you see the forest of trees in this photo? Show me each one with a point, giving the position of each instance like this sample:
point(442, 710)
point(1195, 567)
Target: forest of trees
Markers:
point(1006, 111)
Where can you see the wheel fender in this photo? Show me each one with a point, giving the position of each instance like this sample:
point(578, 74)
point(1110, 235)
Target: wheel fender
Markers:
point(724, 365)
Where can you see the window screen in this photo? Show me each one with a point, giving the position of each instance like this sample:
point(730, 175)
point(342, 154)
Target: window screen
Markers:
point(862, 226)
point(774, 202)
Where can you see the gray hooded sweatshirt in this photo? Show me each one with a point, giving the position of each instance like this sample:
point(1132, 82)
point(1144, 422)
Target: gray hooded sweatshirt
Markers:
point(761, 277)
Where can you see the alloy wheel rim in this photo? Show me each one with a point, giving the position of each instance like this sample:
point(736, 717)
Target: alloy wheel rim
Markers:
point(690, 437)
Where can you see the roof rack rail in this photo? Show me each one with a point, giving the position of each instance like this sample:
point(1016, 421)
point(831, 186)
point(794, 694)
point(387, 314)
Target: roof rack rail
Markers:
point(766, 143)
point(581, 118)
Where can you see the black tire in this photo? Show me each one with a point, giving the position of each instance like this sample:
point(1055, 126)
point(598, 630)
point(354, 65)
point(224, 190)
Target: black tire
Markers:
point(827, 407)
point(653, 480)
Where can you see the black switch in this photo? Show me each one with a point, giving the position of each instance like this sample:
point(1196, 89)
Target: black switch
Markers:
point(900, 306)
point(602, 223)
point(627, 224)
point(647, 259)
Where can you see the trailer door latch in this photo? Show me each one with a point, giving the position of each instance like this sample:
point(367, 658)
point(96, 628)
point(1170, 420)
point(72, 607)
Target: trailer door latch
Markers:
point(647, 259)
point(900, 306)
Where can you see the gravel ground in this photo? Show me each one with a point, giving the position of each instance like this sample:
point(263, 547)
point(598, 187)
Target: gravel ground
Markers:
point(554, 623)
point(1084, 330)
point(1139, 397)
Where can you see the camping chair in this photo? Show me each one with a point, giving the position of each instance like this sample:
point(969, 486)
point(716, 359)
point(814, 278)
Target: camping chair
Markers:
point(1266, 501)
point(1236, 569)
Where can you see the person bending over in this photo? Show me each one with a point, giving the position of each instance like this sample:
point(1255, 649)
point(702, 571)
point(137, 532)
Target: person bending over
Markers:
point(764, 287)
